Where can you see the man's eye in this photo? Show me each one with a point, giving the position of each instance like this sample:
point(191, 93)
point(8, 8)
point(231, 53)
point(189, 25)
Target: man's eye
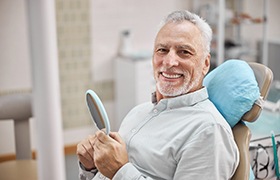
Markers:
point(161, 50)
point(185, 52)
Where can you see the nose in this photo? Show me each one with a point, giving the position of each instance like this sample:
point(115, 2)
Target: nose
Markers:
point(171, 59)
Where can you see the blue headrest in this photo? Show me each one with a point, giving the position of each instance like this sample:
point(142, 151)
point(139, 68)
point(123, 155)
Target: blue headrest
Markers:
point(233, 89)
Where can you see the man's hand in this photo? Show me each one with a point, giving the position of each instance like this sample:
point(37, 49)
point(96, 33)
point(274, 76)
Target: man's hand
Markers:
point(110, 153)
point(85, 152)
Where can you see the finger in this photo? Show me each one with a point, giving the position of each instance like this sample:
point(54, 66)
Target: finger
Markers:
point(88, 145)
point(85, 147)
point(90, 154)
point(91, 140)
point(91, 137)
point(102, 143)
point(116, 136)
point(98, 145)
point(83, 152)
point(104, 130)
point(102, 137)
point(88, 164)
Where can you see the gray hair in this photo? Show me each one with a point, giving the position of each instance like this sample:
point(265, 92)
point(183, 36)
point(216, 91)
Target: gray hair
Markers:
point(203, 26)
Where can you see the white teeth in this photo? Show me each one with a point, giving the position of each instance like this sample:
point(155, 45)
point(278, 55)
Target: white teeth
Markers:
point(171, 76)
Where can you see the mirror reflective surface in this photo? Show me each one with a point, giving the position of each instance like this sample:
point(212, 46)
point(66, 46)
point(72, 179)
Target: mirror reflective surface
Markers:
point(97, 111)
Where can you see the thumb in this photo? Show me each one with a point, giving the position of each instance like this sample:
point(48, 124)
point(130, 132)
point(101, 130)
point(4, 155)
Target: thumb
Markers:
point(116, 136)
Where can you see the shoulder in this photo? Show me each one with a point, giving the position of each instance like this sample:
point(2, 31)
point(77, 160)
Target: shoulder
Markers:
point(214, 117)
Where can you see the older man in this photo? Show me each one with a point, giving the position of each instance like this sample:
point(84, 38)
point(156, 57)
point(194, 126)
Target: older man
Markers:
point(180, 135)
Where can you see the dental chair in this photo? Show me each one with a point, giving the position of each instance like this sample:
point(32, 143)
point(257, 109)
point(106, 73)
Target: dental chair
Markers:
point(257, 77)
point(241, 132)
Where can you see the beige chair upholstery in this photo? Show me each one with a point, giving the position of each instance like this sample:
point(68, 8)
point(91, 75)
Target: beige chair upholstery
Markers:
point(241, 132)
point(18, 108)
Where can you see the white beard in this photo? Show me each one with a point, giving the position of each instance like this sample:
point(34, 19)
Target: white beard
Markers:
point(169, 89)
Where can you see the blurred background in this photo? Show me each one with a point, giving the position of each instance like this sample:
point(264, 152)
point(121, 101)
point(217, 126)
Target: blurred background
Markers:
point(107, 46)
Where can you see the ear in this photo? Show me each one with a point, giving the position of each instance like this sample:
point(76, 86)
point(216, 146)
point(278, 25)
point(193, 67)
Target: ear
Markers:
point(206, 66)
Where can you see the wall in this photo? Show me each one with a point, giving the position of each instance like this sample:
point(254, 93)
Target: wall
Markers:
point(14, 57)
point(110, 18)
point(73, 33)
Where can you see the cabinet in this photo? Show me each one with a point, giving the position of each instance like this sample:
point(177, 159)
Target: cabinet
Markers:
point(134, 84)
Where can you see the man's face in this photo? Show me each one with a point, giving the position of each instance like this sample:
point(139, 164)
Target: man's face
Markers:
point(179, 60)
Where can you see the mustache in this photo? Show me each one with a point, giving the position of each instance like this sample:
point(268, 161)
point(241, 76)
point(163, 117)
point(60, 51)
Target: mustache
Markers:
point(171, 70)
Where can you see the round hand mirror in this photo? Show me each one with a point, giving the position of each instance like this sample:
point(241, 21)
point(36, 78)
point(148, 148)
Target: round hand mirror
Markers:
point(97, 111)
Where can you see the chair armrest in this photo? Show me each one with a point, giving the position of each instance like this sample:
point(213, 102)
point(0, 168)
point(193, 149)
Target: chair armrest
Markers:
point(16, 106)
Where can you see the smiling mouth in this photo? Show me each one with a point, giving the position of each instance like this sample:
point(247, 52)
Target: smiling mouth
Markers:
point(171, 76)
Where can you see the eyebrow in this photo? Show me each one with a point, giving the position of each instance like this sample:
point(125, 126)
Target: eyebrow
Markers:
point(185, 46)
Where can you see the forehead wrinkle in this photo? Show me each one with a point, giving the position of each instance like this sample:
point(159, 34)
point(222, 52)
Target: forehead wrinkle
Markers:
point(180, 46)
point(161, 45)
